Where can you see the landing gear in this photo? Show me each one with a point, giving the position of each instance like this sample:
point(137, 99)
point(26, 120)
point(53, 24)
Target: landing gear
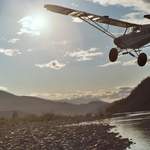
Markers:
point(142, 59)
point(113, 55)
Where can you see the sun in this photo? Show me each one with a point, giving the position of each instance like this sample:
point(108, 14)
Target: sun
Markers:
point(33, 25)
point(37, 23)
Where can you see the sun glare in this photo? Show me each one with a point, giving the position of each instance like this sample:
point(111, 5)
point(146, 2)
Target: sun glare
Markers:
point(33, 25)
point(37, 23)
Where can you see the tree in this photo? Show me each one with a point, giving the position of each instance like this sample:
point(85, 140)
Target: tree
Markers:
point(15, 115)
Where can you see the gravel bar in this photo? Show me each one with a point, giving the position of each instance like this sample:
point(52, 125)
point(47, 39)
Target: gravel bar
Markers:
point(58, 135)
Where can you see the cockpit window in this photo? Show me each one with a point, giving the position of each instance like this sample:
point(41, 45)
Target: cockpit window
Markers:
point(136, 29)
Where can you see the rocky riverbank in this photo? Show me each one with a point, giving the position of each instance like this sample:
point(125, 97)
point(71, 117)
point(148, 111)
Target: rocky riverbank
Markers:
point(59, 135)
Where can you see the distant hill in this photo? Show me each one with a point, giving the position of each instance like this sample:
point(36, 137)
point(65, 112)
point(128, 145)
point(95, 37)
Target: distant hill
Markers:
point(34, 105)
point(81, 100)
point(138, 100)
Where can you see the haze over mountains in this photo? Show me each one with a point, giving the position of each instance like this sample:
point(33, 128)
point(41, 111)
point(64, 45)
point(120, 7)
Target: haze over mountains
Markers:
point(138, 100)
point(81, 100)
point(33, 105)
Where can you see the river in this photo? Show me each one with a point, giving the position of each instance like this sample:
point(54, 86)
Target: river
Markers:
point(135, 126)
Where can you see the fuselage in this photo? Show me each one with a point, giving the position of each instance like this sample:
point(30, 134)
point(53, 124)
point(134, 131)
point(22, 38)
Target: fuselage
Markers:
point(135, 39)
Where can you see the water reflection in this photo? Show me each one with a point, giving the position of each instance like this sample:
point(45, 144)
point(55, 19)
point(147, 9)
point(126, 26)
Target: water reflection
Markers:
point(135, 126)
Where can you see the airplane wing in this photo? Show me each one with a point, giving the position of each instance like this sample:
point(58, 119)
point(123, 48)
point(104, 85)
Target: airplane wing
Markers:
point(88, 16)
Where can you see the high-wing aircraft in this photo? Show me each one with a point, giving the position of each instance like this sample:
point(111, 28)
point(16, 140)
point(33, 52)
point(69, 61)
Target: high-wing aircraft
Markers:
point(134, 38)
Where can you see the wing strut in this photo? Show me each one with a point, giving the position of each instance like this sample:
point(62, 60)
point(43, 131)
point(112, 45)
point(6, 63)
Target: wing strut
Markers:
point(99, 27)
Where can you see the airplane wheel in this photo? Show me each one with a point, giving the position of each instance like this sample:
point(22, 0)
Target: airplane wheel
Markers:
point(142, 59)
point(113, 55)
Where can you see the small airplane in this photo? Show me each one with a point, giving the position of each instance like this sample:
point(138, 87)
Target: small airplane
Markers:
point(134, 38)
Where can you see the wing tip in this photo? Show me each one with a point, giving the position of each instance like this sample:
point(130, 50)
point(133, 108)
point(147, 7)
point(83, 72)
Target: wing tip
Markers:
point(46, 5)
point(49, 6)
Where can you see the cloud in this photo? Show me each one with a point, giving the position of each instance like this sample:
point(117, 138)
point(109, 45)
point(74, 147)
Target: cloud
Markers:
point(110, 64)
point(47, 95)
point(35, 94)
point(93, 49)
point(3, 88)
point(28, 26)
point(10, 52)
point(3, 38)
point(107, 95)
point(24, 30)
point(53, 64)
point(142, 7)
point(120, 92)
point(82, 55)
point(29, 50)
point(14, 40)
point(135, 17)
point(81, 94)
point(86, 96)
point(125, 90)
point(148, 61)
point(73, 4)
point(134, 62)
point(130, 63)
point(59, 42)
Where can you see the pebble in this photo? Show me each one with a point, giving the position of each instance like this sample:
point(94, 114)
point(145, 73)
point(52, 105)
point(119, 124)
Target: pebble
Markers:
point(58, 135)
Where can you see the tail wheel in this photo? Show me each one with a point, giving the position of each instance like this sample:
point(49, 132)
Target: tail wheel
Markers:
point(142, 59)
point(113, 55)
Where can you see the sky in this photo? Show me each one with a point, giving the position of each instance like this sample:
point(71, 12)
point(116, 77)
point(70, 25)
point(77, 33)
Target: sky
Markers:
point(55, 57)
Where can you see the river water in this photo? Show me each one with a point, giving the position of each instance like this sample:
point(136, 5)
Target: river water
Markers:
point(135, 126)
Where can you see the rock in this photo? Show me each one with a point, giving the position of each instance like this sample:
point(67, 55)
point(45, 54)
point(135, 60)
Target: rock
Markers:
point(59, 135)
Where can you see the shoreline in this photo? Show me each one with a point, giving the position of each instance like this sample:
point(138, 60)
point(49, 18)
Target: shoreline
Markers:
point(61, 135)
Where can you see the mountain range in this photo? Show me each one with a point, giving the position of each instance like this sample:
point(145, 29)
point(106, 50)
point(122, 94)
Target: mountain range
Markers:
point(138, 100)
point(32, 105)
point(81, 100)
